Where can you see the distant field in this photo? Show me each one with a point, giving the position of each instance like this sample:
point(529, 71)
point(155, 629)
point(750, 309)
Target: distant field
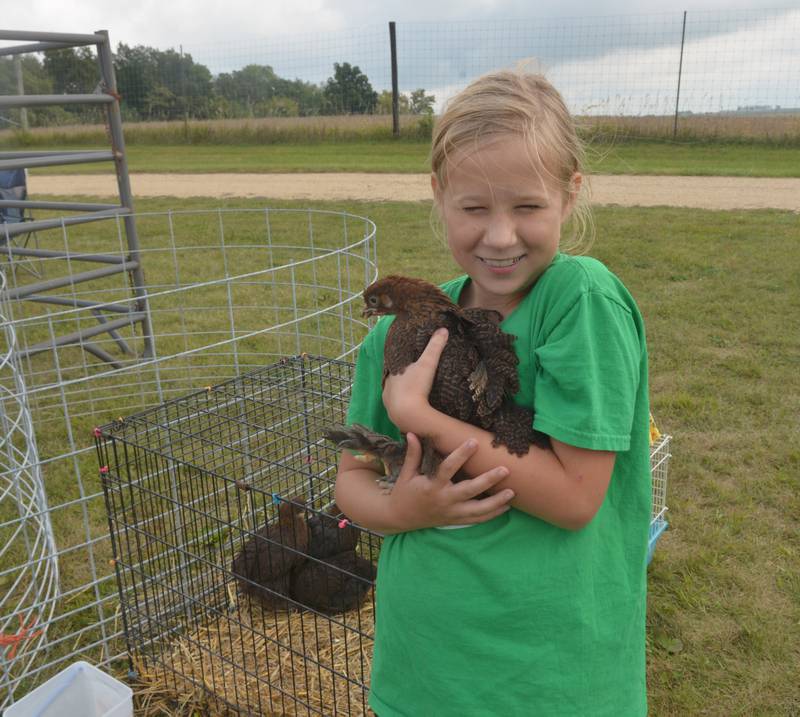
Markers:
point(715, 159)
point(756, 146)
point(775, 128)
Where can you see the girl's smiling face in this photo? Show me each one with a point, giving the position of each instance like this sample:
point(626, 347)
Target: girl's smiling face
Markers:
point(503, 214)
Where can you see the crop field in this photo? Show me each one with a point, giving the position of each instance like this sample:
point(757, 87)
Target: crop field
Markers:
point(743, 128)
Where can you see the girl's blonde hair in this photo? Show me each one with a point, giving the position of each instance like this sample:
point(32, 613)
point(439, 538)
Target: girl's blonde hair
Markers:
point(527, 105)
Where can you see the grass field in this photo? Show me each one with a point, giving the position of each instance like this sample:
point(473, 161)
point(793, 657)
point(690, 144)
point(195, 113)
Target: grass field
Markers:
point(405, 156)
point(757, 146)
point(720, 293)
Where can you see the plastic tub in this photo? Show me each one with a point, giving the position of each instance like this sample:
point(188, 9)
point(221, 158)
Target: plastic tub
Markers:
point(80, 690)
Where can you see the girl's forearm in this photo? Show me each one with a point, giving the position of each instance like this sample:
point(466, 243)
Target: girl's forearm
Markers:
point(364, 502)
point(543, 486)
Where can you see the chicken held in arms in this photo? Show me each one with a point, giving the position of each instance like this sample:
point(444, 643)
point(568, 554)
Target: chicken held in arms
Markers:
point(477, 374)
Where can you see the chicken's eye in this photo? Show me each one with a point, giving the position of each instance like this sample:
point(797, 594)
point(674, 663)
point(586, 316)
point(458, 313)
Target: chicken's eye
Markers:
point(372, 300)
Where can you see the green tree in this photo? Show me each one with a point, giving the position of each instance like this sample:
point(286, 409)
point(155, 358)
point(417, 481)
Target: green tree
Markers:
point(35, 81)
point(157, 84)
point(349, 91)
point(420, 103)
point(257, 90)
point(72, 71)
point(384, 106)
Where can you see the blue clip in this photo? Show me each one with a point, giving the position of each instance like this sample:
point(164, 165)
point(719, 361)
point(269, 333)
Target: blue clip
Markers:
point(276, 498)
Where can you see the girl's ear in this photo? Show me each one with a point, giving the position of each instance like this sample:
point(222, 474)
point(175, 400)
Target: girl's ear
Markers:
point(575, 184)
point(435, 187)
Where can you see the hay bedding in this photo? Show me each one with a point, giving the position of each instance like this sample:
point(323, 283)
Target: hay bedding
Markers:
point(263, 663)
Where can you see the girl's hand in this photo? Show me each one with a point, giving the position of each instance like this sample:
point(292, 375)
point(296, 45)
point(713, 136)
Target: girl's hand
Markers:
point(405, 395)
point(422, 502)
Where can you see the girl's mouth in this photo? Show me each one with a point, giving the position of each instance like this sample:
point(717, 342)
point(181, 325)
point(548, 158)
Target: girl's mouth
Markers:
point(501, 263)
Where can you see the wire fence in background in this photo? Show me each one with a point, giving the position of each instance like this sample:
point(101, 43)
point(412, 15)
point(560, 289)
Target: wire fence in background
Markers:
point(732, 72)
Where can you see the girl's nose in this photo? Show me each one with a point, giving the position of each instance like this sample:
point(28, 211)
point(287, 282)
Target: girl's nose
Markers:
point(500, 233)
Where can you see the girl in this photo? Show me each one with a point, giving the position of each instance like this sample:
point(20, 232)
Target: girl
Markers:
point(536, 606)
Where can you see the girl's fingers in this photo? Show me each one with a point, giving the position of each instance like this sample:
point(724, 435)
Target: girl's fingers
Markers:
point(450, 465)
point(467, 489)
point(433, 350)
point(412, 459)
point(485, 517)
point(493, 505)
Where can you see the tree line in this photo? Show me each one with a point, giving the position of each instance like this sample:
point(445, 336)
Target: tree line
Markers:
point(165, 84)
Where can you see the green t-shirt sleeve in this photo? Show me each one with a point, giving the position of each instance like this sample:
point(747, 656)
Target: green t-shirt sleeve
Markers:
point(587, 374)
point(366, 402)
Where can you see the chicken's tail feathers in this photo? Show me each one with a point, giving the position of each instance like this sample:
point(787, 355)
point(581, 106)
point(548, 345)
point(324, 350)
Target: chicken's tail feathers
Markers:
point(359, 438)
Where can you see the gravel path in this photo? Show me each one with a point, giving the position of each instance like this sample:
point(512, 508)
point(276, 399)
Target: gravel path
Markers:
point(624, 190)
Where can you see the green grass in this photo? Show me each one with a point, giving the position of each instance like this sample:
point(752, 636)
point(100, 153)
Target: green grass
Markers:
point(718, 159)
point(698, 158)
point(720, 293)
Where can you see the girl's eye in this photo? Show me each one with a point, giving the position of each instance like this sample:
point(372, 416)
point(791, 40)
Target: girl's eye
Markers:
point(472, 209)
point(529, 207)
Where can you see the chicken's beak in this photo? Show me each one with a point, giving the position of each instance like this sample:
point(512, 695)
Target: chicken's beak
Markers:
point(368, 311)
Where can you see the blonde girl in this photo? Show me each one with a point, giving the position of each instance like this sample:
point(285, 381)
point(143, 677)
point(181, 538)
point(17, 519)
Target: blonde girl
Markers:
point(535, 605)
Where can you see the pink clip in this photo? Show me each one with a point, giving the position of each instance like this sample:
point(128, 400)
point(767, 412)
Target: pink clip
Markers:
point(308, 460)
point(97, 432)
point(103, 470)
point(344, 522)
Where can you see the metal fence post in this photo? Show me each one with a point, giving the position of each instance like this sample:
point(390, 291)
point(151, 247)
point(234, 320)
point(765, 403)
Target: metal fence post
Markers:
point(23, 112)
point(680, 72)
point(395, 93)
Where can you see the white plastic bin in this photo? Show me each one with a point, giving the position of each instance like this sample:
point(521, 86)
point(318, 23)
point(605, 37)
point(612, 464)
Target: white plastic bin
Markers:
point(80, 690)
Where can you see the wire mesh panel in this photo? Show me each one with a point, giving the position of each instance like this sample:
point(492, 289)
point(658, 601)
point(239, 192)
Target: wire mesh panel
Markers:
point(237, 574)
point(28, 563)
point(228, 292)
point(659, 466)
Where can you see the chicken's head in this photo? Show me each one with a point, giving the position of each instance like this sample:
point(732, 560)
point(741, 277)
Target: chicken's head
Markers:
point(401, 294)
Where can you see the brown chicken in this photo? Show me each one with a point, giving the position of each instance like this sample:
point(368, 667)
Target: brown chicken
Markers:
point(326, 538)
point(477, 373)
point(334, 579)
point(334, 585)
point(264, 565)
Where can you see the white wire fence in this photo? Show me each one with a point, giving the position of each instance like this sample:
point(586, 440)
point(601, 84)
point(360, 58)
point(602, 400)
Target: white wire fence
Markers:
point(227, 291)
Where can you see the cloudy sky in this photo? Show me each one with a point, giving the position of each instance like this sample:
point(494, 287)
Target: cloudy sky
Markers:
point(605, 55)
point(162, 23)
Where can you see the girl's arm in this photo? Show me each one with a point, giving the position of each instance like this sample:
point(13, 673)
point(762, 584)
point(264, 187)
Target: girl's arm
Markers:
point(564, 486)
point(417, 501)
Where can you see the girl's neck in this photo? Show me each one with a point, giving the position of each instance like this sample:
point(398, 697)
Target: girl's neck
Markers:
point(472, 298)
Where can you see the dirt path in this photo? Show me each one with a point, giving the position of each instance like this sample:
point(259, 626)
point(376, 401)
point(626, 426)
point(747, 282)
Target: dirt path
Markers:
point(625, 190)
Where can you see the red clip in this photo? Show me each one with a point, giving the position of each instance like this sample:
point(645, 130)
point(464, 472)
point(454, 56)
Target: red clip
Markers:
point(309, 460)
point(103, 470)
point(97, 432)
point(24, 633)
point(344, 522)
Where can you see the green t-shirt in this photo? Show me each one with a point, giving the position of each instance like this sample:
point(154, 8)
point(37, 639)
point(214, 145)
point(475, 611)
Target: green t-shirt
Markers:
point(516, 616)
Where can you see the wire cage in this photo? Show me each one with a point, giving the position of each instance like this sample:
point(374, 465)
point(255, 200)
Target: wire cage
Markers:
point(659, 466)
point(191, 486)
point(190, 483)
point(226, 292)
